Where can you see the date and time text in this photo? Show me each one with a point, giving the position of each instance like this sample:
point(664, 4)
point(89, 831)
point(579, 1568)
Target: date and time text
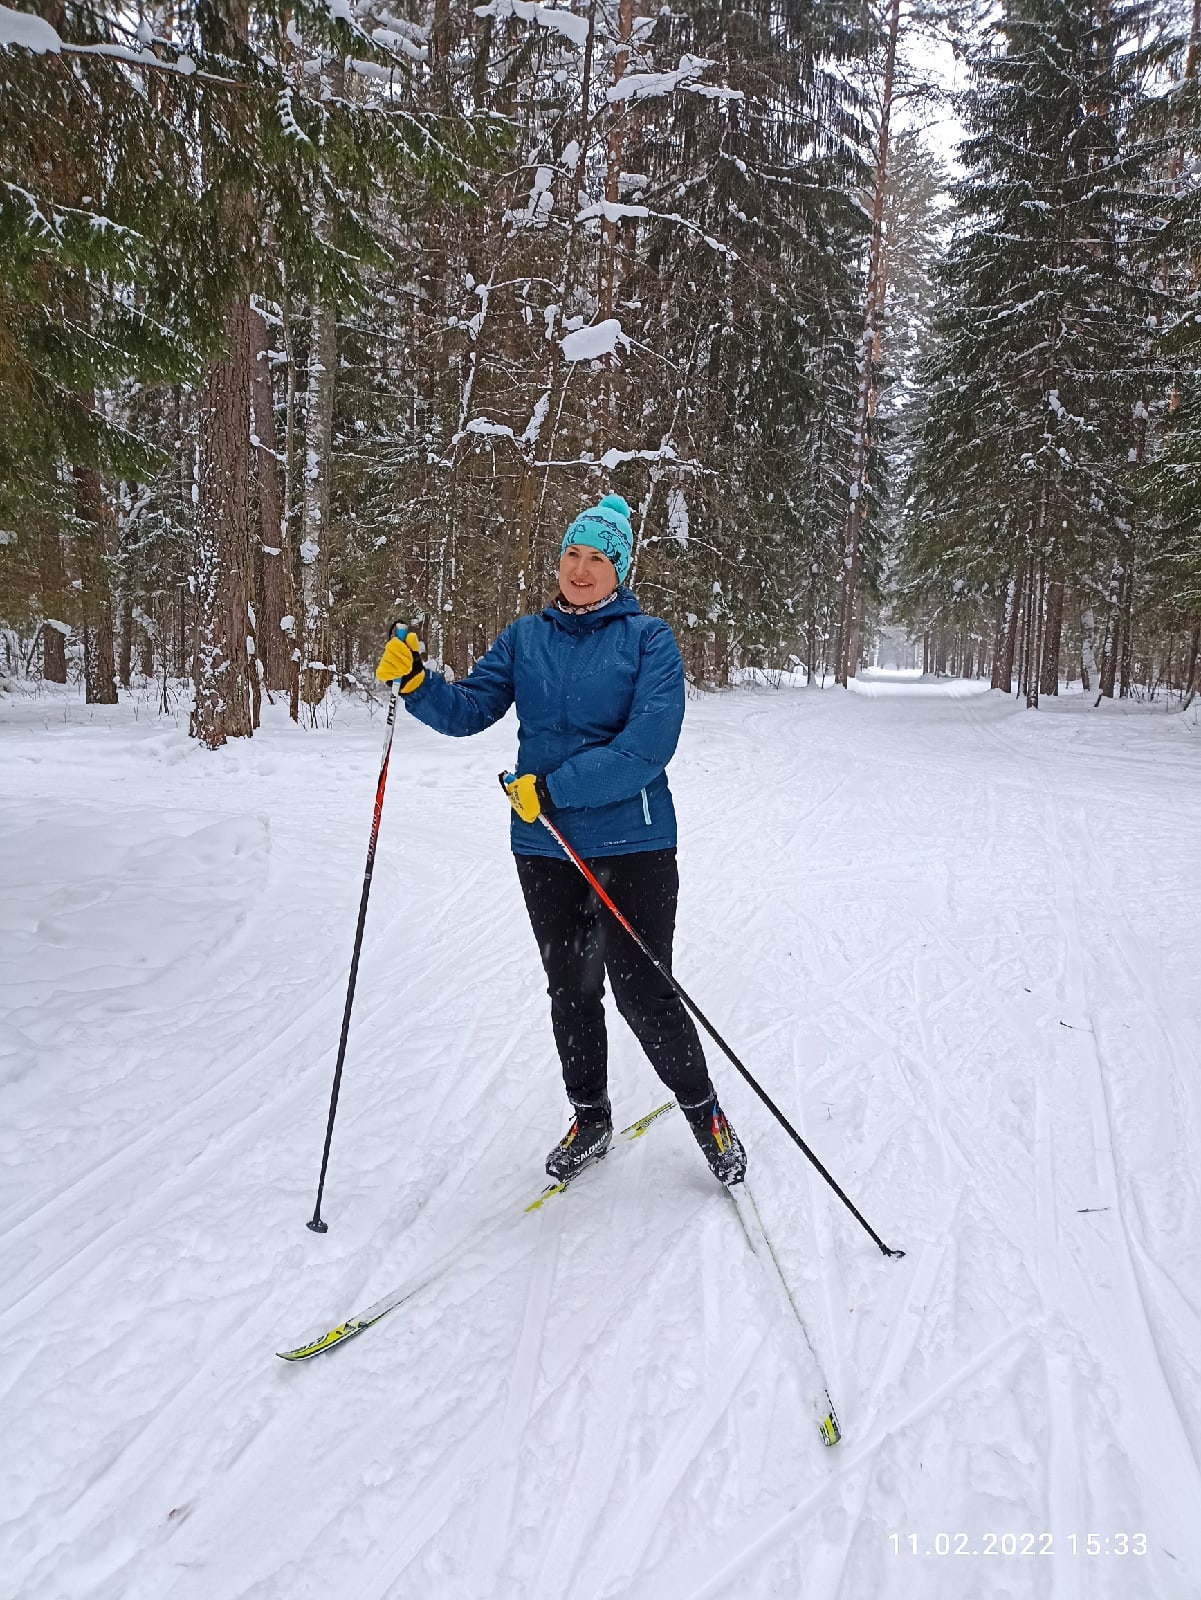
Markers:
point(1086, 1545)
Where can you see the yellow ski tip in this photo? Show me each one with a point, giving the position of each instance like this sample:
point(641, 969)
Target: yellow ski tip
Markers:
point(344, 1330)
point(637, 1129)
point(555, 1188)
point(828, 1427)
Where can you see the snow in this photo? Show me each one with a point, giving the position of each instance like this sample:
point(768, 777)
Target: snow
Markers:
point(955, 941)
point(540, 203)
point(590, 344)
point(566, 23)
point(393, 39)
point(537, 417)
point(677, 515)
point(30, 32)
point(636, 86)
point(489, 429)
point(612, 211)
point(649, 85)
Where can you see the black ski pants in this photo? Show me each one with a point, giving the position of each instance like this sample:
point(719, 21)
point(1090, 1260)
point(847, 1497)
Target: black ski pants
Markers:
point(580, 941)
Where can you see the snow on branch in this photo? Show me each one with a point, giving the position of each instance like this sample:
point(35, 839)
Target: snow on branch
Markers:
point(590, 344)
point(485, 428)
point(30, 32)
point(635, 86)
point(567, 23)
point(23, 30)
point(391, 39)
point(417, 35)
point(540, 204)
point(53, 227)
point(479, 428)
point(537, 417)
point(287, 117)
point(184, 65)
point(613, 211)
point(616, 458)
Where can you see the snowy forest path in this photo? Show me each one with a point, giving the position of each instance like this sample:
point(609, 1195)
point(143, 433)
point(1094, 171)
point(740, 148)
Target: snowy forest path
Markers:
point(968, 982)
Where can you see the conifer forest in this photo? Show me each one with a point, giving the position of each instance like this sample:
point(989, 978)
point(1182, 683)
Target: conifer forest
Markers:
point(316, 314)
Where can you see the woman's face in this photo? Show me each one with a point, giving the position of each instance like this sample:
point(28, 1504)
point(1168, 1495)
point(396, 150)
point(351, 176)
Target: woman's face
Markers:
point(585, 575)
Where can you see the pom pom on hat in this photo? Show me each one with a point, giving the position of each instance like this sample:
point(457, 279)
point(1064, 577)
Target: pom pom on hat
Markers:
point(605, 527)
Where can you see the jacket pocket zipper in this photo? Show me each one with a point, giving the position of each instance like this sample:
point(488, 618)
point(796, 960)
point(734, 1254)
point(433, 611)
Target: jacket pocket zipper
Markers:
point(646, 809)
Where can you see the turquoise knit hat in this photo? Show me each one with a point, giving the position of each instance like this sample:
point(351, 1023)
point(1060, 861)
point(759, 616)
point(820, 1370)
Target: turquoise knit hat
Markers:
point(606, 527)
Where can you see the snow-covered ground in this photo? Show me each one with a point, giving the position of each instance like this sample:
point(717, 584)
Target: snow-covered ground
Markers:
point(957, 942)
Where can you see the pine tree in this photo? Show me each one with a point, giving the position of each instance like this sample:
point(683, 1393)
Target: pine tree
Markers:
point(84, 269)
point(1025, 466)
point(1173, 480)
point(184, 184)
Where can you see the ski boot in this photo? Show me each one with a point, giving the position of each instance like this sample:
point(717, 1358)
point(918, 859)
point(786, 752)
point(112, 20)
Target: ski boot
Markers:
point(586, 1141)
point(719, 1144)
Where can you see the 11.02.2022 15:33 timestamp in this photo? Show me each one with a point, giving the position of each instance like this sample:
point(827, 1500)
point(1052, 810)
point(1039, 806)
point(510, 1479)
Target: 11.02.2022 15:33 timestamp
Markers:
point(1018, 1544)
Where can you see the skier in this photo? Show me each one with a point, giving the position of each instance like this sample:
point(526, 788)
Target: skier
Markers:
point(599, 689)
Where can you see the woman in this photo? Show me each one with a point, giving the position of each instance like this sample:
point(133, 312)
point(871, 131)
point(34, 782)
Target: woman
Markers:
point(599, 689)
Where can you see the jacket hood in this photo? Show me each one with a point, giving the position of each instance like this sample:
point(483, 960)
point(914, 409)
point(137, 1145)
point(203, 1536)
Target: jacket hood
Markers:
point(623, 605)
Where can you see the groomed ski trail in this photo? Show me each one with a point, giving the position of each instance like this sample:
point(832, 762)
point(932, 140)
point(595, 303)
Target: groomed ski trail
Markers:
point(915, 946)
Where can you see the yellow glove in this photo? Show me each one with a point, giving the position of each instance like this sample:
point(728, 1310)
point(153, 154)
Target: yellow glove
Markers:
point(402, 659)
point(528, 795)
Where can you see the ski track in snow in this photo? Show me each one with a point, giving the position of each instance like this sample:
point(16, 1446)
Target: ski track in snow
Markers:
point(957, 944)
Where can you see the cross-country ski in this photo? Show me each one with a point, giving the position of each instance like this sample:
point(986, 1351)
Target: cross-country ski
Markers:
point(502, 1215)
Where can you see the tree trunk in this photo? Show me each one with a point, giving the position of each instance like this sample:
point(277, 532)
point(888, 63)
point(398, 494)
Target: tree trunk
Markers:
point(96, 595)
point(1088, 662)
point(288, 624)
point(222, 561)
point(721, 656)
point(277, 598)
point(1190, 677)
point(1007, 635)
point(850, 606)
point(1109, 650)
point(608, 250)
point(1127, 607)
point(317, 667)
point(52, 582)
point(125, 653)
point(1052, 634)
point(516, 572)
point(1035, 603)
point(440, 49)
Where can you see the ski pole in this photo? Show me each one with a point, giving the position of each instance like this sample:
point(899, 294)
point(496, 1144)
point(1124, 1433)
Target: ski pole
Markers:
point(315, 1222)
point(506, 778)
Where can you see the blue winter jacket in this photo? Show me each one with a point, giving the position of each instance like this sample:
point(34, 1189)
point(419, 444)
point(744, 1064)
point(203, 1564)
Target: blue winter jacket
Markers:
point(600, 702)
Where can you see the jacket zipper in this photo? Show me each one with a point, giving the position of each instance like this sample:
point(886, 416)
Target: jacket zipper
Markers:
point(646, 809)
